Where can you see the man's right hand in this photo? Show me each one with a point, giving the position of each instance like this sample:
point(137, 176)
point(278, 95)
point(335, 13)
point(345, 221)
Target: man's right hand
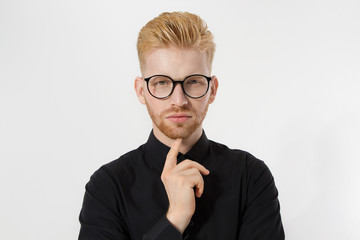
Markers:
point(179, 181)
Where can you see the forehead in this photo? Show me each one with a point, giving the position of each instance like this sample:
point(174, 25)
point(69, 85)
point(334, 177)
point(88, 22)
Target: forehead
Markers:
point(175, 62)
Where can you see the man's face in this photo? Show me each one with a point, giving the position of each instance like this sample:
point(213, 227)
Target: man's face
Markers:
point(177, 116)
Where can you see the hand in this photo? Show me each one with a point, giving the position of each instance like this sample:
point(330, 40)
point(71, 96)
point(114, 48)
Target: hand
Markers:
point(179, 181)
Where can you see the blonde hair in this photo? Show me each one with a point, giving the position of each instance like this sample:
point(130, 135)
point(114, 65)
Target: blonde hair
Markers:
point(178, 29)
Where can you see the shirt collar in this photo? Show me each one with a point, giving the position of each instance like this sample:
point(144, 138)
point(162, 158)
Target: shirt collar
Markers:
point(158, 150)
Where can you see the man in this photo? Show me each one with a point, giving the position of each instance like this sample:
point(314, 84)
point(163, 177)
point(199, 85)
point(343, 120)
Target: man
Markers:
point(179, 184)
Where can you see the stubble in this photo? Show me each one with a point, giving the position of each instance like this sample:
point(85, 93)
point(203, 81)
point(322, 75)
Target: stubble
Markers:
point(177, 130)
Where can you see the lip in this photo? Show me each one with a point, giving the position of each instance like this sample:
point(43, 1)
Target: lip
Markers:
point(178, 118)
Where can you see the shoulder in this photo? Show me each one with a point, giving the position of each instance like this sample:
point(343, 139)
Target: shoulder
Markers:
point(120, 167)
point(129, 158)
point(237, 158)
point(220, 149)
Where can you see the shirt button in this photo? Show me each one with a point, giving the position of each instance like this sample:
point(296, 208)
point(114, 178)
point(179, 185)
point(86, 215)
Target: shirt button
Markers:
point(191, 224)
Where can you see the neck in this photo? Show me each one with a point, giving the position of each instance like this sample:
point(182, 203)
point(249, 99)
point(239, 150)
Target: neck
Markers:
point(187, 143)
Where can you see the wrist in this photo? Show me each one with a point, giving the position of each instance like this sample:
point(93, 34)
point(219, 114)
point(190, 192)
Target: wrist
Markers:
point(178, 220)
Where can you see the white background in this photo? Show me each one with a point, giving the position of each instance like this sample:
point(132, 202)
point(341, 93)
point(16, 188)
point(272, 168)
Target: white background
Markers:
point(289, 94)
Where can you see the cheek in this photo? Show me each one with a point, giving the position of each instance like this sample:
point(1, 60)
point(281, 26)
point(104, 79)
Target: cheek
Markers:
point(201, 105)
point(154, 105)
point(205, 100)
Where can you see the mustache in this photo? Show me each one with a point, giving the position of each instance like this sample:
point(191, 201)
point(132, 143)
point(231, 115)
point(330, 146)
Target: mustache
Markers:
point(177, 110)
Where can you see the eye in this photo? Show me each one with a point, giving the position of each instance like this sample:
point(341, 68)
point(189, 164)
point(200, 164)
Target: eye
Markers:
point(164, 82)
point(192, 82)
point(196, 81)
point(160, 81)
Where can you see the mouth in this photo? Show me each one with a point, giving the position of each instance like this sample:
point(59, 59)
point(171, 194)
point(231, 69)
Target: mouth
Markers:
point(178, 118)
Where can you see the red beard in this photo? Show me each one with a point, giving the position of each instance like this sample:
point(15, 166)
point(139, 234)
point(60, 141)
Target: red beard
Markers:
point(177, 130)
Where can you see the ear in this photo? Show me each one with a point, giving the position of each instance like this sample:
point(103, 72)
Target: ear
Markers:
point(213, 89)
point(139, 89)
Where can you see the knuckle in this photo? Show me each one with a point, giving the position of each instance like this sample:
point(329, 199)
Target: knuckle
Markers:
point(195, 171)
point(187, 162)
point(200, 179)
point(164, 176)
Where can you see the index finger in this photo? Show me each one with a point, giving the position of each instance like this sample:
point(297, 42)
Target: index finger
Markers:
point(171, 158)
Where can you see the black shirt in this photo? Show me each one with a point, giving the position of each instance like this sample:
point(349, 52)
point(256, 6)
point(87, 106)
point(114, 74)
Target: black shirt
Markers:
point(125, 199)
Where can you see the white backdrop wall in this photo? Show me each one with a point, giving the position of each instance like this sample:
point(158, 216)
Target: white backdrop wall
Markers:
point(289, 94)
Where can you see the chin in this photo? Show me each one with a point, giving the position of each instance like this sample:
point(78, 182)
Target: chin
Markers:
point(178, 131)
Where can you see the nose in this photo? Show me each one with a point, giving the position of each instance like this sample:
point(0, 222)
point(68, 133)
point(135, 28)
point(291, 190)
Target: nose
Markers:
point(178, 96)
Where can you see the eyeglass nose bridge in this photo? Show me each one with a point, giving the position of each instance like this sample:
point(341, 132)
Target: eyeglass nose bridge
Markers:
point(174, 86)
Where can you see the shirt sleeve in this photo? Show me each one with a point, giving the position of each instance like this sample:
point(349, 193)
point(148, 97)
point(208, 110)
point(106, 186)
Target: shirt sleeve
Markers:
point(163, 230)
point(261, 219)
point(103, 215)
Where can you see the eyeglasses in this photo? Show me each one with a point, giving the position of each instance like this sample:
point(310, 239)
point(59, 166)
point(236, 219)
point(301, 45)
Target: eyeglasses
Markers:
point(162, 86)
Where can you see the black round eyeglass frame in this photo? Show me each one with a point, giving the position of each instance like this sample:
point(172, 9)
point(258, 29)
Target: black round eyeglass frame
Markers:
point(180, 82)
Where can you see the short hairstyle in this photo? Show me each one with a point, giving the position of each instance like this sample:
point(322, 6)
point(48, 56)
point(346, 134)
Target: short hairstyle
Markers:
point(178, 29)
